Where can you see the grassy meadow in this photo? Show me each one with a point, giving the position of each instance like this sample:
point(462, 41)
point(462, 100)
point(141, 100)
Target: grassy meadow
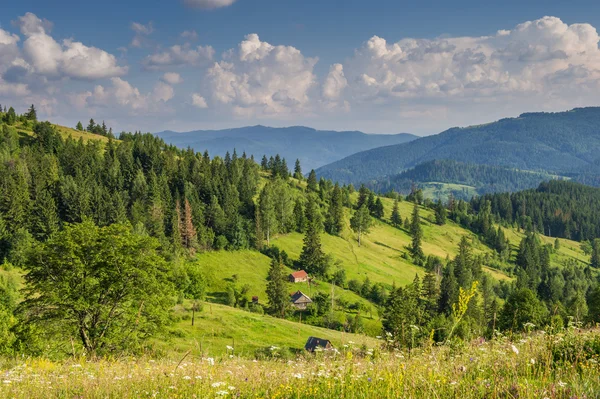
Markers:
point(564, 365)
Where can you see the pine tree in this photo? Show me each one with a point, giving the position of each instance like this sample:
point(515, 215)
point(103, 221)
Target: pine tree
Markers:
point(264, 163)
point(79, 126)
point(311, 182)
point(335, 214)
point(395, 218)
point(299, 216)
point(31, 114)
point(91, 126)
point(361, 222)
point(440, 213)
point(298, 170)
point(312, 258)
point(11, 116)
point(363, 197)
point(430, 293)
point(276, 289)
point(448, 290)
point(378, 211)
point(417, 234)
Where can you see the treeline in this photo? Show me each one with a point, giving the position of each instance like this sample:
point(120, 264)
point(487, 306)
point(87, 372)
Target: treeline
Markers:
point(556, 208)
point(459, 300)
point(485, 178)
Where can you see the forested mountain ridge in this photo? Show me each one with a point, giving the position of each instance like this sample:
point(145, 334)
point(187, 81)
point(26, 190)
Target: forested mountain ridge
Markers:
point(558, 142)
point(482, 178)
point(314, 148)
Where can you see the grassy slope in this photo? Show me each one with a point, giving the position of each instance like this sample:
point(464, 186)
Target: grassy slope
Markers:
point(218, 326)
point(66, 132)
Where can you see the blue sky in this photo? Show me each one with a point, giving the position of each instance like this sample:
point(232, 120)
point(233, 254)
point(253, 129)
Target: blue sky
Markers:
point(328, 64)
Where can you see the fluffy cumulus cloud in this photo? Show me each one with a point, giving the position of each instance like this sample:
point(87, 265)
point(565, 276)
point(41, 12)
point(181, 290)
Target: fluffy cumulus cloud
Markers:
point(262, 80)
point(178, 55)
point(172, 78)
point(122, 98)
point(536, 58)
point(71, 59)
point(209, 4)
point(199, 101)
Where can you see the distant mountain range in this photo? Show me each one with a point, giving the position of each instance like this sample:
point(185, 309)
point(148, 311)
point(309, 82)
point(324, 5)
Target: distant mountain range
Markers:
point(314, 148)
point(566, 143)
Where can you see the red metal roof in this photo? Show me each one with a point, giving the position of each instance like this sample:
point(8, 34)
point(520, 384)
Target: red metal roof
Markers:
point(300, 274)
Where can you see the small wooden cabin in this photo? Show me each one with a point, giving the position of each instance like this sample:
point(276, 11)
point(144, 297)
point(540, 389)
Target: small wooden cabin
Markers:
point(313, 343)
point(300, 300)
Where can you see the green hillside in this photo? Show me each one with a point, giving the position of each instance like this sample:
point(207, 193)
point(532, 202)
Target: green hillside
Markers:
point(217, 326)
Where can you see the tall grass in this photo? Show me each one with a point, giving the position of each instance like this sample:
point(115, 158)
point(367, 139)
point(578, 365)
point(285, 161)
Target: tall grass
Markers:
point(537, 366)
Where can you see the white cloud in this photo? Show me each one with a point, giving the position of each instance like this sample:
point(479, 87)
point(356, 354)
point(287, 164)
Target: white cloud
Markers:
point(179, 55)
point(124, 99)
point(262, 80)
point(141, 31)
point(335, 82)
point(209, 4)
point(70, 59)
point(189, 35)
point(199, 101)
point(141, 28)
point(172, 78)
point(521, 61)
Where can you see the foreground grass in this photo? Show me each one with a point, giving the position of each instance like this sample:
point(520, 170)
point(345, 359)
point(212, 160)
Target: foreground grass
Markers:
point(533, 367)
point(218, 327)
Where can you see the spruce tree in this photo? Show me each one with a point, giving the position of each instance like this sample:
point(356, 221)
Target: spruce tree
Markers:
point(378, 211)
point(11, 117)
point(417, 235)
point(395, 218)
point(277, 289)
point(335, 214)
point(312, 258)
point(363, 197)
point(440, 213)
point(311, 182)
point(91, 126)
point(31, 114)
point(361, 222)
point(448, 290)
point(299, 216)
point(298, 170)
point(79, 126)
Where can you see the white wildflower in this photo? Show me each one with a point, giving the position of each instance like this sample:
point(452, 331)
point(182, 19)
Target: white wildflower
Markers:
point(217, 384)
point(562, 384)
point(514, 349)
point(231, 388)
point(532, 361)
point(187, 377)
point(297, 375)
point(230, 348)
point(211, 361)
point(221, 393)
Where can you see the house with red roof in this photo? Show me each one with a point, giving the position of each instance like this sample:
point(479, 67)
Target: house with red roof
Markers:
point(298, 277)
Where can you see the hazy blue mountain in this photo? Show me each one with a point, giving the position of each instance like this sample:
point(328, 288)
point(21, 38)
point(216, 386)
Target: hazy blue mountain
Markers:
point(554, 142)
point(314, 148)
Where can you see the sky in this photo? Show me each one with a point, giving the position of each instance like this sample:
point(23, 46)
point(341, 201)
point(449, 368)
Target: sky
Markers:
point(383, 66)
